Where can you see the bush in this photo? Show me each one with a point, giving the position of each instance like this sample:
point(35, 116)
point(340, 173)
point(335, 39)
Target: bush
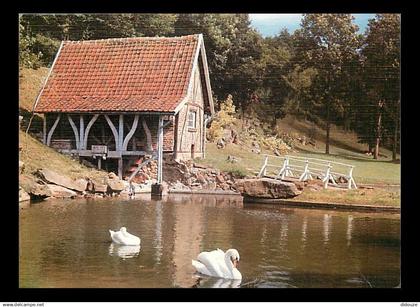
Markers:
point(223, 119)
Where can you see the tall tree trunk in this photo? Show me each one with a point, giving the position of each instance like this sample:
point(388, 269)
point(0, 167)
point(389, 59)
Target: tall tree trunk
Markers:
point(327, 142)
point(378, 131)
point(394, 147)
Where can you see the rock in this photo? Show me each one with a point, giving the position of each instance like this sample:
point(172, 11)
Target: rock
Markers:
point(115, 185)
point(220, 144)
point(52, 177)
point(61, 192)
point(90, 186)
point(210, 186)
point(82, 184)
point(36, 190)
point(197, 165)
point(23, 196)
point(99, 187)
point(232, 159)
point(266, 188)
point(21, 167)
point(112, 176)
point(201, 179)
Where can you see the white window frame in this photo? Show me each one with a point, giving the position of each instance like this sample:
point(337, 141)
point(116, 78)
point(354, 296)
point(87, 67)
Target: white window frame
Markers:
point(193, 121)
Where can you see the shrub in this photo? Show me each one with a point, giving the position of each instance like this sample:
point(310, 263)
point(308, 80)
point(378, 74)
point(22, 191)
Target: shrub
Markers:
point(223, 119)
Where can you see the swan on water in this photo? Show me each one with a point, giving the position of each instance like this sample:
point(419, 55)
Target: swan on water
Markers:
point(218, 264)
point(124, 251)
point(123, 237)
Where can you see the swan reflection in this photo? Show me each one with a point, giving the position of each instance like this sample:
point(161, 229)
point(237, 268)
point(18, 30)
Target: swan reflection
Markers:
point(124, 251)
point(214, 282)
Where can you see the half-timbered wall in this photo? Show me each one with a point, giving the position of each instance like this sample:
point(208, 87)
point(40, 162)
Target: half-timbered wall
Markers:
point(190, 141)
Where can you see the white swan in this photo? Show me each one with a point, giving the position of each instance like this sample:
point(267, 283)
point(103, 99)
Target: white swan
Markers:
point(124, 251)
point(218, 264)
point(123, 237)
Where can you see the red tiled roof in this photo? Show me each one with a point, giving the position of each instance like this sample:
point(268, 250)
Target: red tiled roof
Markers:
point(127, 74)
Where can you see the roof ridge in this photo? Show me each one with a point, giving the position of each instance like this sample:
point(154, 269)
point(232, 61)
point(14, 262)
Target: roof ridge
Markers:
point(135, 38)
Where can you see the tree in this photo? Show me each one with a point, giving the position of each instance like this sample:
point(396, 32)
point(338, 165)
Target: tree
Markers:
point(381, 63)
point(328, 43)
point(233, 50)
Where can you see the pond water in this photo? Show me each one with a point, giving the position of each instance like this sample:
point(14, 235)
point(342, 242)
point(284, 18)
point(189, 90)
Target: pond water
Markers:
point(66, 243)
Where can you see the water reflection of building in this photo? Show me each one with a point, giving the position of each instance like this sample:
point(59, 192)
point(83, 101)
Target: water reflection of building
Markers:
point(304, 228)
point(188, 229)
point(349, 229)
point(327, 227)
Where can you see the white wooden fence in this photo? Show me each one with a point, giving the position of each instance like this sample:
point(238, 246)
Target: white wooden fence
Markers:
point(307, 168)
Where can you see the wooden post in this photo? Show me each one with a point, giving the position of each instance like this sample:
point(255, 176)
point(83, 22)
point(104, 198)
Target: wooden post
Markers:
point(120, 132)
point(160, 149)
point(262, 171)
point(99, 162)
point(44, 132)
point(82, 131)
point(76, 133)
point(120, 167)
point(90, 124)
point(120, 144)
point(52, 130)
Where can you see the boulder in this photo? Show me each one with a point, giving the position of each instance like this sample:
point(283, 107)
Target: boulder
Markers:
point(23, 196)
point(100, 188)
point(36, 190)
point(266, 188)
point(112, 176)
point(57, 179)
point(61, 192)
point(115, 185)
point(21, 167)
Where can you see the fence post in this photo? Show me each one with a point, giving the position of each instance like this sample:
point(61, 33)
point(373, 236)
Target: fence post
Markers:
point(327, 176)
point(350, 180)
point(306, 174)
point(263, 168)
point(285, 166)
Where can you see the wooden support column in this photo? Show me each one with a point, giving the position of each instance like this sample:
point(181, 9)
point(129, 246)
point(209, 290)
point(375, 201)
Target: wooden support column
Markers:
point(44, 131)
point(130, 134)
point(75, 131)
point(157, 189)
point(99, 162)
point(89, 126)
point(52, 129)
point(82, 131)
point(160, 149)
point(120, 145)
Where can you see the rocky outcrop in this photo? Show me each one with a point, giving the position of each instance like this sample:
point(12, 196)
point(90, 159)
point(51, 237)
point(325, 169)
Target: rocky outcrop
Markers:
point(23, 196)
point(61, 192)
point(33, 188)
point(21, 167)
point(266, 188)
point(57, 179)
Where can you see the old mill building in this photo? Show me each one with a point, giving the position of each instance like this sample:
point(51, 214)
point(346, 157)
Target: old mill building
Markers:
point(114, 101)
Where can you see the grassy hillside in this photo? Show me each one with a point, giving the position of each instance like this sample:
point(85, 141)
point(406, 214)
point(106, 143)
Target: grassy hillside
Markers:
point(36, 155)
point(30, 83)
point(344, 148)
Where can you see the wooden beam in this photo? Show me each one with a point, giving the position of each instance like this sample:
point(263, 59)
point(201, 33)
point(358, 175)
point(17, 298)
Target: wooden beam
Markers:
point(120, 168)
point(76, 133)
point(114, 130)
point(149, 146)
point(52, 129)
point(44, 131)
point(82, 130)
point(120, 131)
point(130, 134)
point(160, 149)
point(91, 122)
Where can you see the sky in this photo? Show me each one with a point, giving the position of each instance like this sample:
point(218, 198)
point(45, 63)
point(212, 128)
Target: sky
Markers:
point(272, 24)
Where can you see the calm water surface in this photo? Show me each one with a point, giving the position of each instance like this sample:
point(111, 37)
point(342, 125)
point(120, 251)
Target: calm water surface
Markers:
point(65, 243)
